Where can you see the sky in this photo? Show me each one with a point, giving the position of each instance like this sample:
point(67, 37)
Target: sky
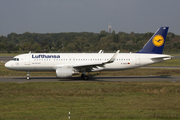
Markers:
point(55, 16)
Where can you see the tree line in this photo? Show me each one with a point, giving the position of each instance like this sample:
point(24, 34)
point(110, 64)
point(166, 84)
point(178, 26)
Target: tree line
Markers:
point(82, 42)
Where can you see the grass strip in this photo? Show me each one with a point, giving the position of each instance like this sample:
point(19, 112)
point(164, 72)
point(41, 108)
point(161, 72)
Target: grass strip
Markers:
point(90, 100)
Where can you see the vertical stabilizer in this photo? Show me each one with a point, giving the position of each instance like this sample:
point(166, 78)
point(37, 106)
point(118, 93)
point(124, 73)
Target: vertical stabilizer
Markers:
point(156, 43)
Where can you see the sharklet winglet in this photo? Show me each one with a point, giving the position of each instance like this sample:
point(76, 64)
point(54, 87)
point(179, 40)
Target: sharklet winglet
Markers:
point(113, 58)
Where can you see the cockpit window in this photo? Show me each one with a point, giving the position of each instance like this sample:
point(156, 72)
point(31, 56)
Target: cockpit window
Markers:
point(15, 59)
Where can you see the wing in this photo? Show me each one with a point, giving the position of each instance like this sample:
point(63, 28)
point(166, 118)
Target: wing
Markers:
point(94, 66)
point(87, 67)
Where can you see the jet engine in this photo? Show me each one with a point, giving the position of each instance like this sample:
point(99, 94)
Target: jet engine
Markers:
point(65, 72)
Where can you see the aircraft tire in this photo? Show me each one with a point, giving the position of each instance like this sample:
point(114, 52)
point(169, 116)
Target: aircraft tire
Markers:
point(82, 76)
point(86, 77)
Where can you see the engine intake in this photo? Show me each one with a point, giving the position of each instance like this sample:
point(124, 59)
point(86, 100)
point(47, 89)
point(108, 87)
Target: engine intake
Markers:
point(64, 72)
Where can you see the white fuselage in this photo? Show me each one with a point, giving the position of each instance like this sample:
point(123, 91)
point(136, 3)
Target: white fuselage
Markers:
point(51, 61)
point(68, 64)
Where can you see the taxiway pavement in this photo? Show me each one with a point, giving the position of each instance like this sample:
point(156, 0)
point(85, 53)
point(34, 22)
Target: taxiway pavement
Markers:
point(91, 79)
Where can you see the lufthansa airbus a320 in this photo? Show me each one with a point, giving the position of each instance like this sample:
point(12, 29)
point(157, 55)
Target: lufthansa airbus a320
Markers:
point(68, 64)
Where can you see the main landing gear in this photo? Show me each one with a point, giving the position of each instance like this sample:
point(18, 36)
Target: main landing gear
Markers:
point(28, 74)
point(84, 76)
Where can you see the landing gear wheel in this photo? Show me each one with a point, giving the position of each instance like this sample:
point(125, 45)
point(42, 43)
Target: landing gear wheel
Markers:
point(84, 77)
point(28, 74)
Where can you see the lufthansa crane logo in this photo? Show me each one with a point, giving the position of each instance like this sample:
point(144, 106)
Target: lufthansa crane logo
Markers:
point(158, 40)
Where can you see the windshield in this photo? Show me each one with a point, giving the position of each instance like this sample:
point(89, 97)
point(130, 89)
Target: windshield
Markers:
point(15, 59)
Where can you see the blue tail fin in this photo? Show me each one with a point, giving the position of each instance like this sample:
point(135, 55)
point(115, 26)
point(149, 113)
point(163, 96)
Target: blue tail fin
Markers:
point(156, 42)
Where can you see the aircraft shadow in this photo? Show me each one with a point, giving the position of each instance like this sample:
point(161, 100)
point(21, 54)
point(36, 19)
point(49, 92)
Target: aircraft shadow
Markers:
point(92, 78)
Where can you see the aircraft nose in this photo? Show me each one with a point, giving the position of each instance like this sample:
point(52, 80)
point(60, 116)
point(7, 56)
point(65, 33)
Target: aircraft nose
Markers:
point(7, 65)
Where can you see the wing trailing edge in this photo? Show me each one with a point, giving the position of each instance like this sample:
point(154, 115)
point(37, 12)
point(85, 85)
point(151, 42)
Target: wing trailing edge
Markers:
point(89, 65)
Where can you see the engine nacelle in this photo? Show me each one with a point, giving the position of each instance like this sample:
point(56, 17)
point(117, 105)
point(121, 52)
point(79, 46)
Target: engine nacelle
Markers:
point(64, 72)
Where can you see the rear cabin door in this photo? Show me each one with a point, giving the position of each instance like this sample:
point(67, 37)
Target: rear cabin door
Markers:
point(138, 60)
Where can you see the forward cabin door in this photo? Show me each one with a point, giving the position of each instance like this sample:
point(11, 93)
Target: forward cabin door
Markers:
point(27, 59)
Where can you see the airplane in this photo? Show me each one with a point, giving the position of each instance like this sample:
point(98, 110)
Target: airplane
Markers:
point(68, 64)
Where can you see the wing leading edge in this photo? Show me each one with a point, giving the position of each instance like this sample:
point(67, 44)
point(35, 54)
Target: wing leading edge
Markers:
point(89, 66)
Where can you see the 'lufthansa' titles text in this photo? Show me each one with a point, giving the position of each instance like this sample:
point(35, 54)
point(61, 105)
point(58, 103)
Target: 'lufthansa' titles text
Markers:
point(45, 56)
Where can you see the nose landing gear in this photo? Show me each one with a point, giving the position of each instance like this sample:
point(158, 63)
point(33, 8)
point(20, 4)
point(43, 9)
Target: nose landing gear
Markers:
point(28, 75)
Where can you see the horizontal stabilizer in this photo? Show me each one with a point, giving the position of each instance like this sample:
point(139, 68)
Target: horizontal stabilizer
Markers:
point(161, 57)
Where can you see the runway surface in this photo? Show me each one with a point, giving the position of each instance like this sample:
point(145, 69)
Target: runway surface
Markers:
point(91, 79)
